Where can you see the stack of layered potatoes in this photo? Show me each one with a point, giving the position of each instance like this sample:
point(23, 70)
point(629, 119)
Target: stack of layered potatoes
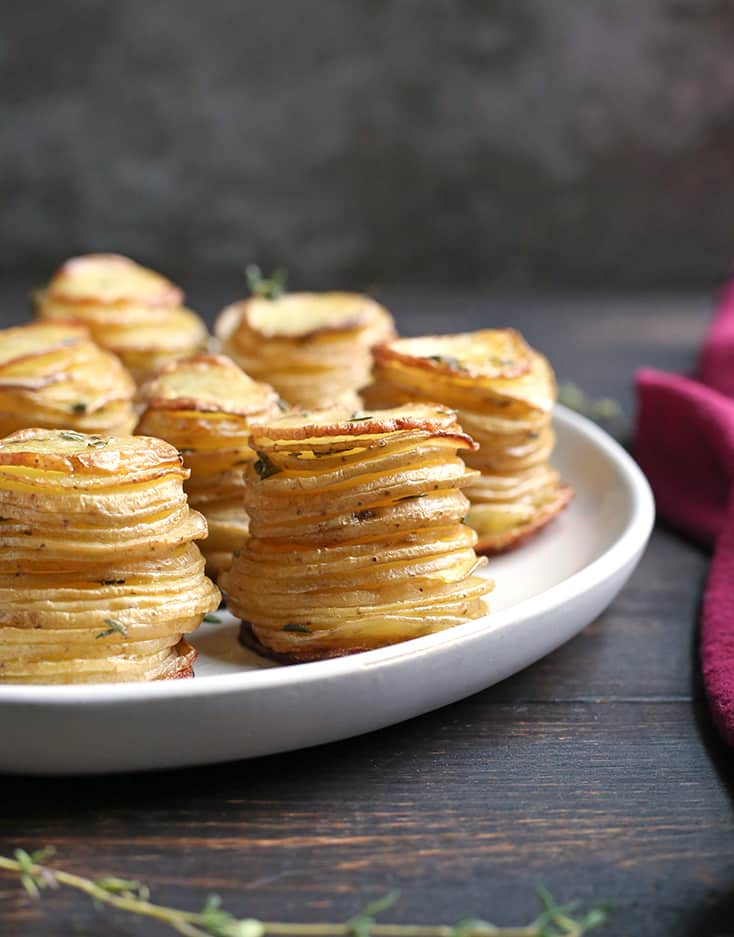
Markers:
point(503, 393)
point(99, 574)
point(204, 405)
point(313, 348)
point(53, 375)
point(356, 534)
point(130, 310)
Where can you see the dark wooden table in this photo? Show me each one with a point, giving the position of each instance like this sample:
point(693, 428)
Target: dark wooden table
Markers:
point(595, 772)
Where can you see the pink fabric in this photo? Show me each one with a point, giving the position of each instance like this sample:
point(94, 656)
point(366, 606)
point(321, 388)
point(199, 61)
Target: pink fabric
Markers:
point(685, 445)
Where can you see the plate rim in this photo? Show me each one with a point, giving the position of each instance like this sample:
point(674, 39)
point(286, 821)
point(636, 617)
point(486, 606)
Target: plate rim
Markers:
point(630, 541)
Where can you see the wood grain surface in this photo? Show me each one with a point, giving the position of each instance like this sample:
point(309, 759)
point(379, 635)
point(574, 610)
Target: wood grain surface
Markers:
point(595, 772)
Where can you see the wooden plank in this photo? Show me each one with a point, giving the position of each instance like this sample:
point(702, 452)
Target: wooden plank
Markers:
point(465, 810)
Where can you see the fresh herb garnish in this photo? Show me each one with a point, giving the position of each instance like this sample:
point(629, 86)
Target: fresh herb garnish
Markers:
point(294, 626)
point(212, 619)
point(359, 417)
point(448, 360)
point(79, 407)
point(266, 287)
point(113, 627)
point(213, 921)
point(93, 442)
point(264, 466)
point(604, 410)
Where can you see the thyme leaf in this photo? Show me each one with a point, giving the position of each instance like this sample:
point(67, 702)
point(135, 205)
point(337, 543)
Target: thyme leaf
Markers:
point(266, 287)
point(295, 627)
point(113, 627)
point(448, 360)
point(93, 442)
point(212, 619)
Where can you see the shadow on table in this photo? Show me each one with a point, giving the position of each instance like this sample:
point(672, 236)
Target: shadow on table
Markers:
point(715, 919)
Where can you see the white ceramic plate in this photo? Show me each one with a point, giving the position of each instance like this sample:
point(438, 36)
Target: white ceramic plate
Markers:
point(240, 706)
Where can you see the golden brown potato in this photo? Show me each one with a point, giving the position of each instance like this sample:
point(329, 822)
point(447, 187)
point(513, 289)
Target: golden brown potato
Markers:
point(503, 393)
point(203, 405)
point(130, 310)
point(53, 375)
point(99, 575)
point(313, 348)
point(356, 535)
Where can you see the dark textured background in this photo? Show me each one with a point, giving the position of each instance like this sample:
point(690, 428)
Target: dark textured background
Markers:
point(363, 141)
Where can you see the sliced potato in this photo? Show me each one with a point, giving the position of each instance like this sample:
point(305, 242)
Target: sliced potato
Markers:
point(99, 575)
point(503, 393)
point(356, 535)
point(314, 348)
point(130, 310)
point(53, 375)
point(203, 405)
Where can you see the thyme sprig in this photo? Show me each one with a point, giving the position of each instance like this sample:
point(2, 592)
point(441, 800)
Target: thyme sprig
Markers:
point(604, 410)
point(212, 921)
point(266, 287)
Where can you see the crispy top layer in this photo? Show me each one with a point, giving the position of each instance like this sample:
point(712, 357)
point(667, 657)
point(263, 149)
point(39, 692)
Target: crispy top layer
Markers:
point(38, 338)
point(469, 368)
point(210, 384)
point(111, 279)
point(338, 421)
point(489, 353)
point(67, 451)
point(302, 315)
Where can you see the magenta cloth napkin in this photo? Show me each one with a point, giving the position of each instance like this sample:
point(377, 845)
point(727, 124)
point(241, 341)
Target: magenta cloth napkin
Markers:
point(685, 445)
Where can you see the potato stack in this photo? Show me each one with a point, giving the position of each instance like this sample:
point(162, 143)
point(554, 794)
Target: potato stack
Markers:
point(315, 349)
point(203, 405)
point(356, 535)
point(99, 575)
point(130, 310)
point(503, 393)
point(53, 375)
